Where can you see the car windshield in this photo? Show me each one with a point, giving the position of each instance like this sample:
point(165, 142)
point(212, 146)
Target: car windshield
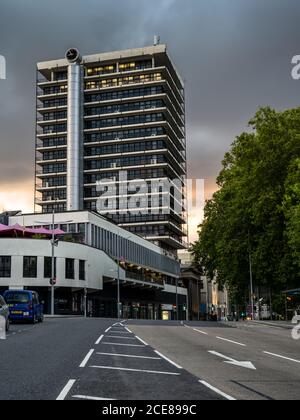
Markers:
point(15, 298)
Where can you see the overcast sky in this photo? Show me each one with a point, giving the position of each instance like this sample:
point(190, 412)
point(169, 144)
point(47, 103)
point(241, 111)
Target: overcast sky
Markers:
point(234, 55)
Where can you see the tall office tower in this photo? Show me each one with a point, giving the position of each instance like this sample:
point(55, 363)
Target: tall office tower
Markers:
point(111, 139)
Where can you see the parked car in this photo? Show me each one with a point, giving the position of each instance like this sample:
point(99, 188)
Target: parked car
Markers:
point(24, 305)
point(4, 312)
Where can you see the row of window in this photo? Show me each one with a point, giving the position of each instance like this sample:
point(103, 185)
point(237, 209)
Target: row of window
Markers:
point(112, 68)
point(30, 268)
point(139, 218)
point(133, 106)
point(53, 90)
point(121, 121)
point(126, 134)
point(54, 168)
point(50, 103)
point(133, 203)
point(54, 128)
point(99, 70)
point(55, 195)
point(121, 81)
point(122, 94)
point(54, 141)
point(115, 246)
point(56, 154)
point(143, 173)
point(136, 65)
point(125, 161)
point(148, 230)
point(56, 208)
point(59, 115)
point(125, 148)
point(56, 181)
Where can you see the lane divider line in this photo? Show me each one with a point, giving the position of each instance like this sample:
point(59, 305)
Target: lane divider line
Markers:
point(99, 340)
point(281, 357)
point(217, 391)
point(135, 370)
point(123, 344)
point(232, 342)
point(199, 331)
point(142, 341)
point(120, 338)
point(108, 329)
point(62, 396)
point(88, 398)
point(129, 356)
point(87, 358)
point(168, 360)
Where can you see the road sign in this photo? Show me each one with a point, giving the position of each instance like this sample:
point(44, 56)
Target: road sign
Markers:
point(53, 282)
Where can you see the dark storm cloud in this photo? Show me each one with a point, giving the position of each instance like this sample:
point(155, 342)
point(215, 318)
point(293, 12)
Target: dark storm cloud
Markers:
point(234, 55)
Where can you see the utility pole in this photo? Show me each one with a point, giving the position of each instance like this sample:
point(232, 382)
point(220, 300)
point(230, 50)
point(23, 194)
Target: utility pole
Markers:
point(53, 265)
point(251, 285)
point(177, 309)
point(118, 285)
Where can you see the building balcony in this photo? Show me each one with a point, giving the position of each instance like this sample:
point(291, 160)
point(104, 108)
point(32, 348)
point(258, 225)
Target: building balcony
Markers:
point(170, 240)
point(129, 99)
point(41, 187)
point(42, 121)
point(51, 133)
point(116, 114)
point(42, 108)
point(40, 201)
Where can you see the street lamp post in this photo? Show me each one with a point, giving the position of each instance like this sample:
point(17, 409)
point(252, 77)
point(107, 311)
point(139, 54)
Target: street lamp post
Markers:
point(53, 265)
point(118, 281)
point(53, 260)
point(251, 286)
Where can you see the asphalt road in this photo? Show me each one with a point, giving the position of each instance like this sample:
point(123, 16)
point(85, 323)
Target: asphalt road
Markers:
point(80, 359)
point(247, 361)
point(101, 359)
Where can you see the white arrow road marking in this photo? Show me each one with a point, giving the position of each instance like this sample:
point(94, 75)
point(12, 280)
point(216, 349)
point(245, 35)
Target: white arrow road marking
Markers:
point(230, 361)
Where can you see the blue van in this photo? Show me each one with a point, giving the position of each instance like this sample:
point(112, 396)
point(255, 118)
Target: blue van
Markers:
point(24, 305)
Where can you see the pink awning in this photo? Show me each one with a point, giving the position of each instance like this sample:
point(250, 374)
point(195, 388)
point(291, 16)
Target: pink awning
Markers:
point(22, 231)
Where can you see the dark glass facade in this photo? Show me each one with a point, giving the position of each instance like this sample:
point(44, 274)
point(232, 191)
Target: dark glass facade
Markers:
point(133, 120)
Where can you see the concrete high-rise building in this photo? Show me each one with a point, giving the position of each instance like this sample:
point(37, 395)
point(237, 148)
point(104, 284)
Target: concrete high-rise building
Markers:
point(111, 139)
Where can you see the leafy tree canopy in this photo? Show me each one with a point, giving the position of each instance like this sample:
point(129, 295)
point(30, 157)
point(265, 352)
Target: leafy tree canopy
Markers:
point(257, 208)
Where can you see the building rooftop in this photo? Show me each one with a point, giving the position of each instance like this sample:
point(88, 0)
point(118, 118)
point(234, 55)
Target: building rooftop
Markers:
point(160, 51)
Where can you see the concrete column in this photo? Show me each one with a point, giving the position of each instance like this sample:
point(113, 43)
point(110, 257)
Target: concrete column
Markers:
point(75, 138)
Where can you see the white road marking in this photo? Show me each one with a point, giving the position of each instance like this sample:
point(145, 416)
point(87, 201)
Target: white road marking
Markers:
point(62, 396)
point(108, 329)
point(230, 361)
point(120, 332)
point(135, 370)
point(217, 391)
point(99, 340)
point(88, 398)
point(86, 359)
point(232, 342)
point(168, 360)
point(282, 357)
point(142, 341)
point(129, 356)
point(121, 338)
point(199, 331)
point(127, 329)
point(123, 344)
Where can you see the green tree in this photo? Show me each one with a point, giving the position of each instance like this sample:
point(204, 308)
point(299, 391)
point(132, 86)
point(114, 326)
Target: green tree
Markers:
point(256, 208)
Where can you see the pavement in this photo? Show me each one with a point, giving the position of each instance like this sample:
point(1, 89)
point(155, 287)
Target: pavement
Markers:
point(103, 359)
